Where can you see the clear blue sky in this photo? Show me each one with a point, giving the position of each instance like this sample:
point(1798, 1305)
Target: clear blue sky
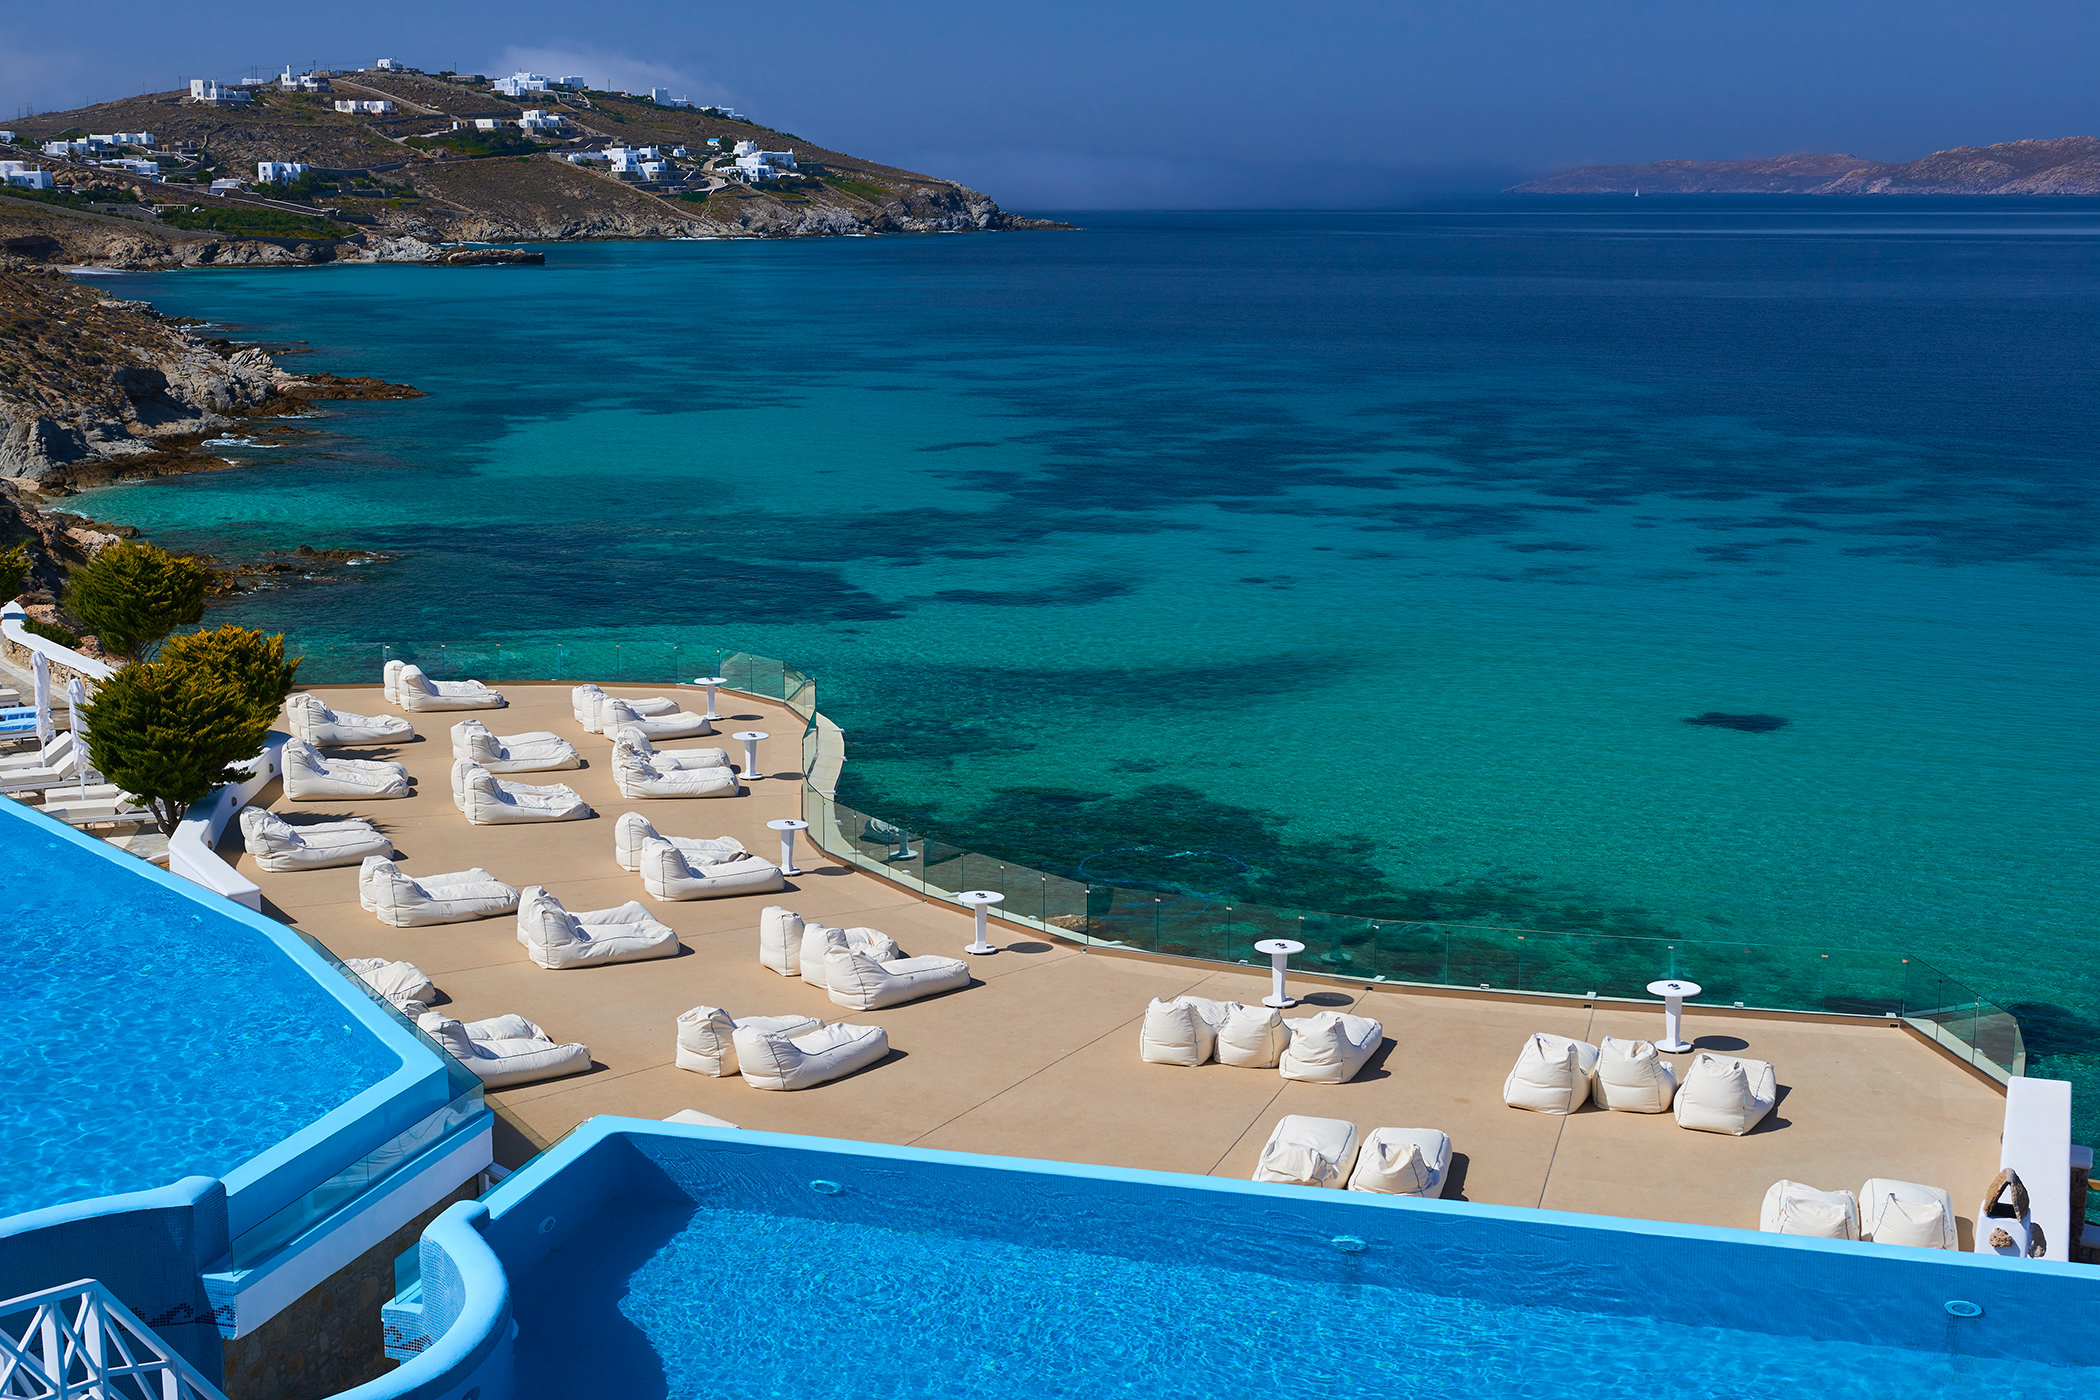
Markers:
point(1133, 104)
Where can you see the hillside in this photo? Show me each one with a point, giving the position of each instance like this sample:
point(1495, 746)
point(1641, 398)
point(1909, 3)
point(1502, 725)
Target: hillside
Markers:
point(2070, 166)
point(391, 187)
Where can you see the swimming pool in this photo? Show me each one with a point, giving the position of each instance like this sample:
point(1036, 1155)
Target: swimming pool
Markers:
point(645, 1260)
point(155, 1032)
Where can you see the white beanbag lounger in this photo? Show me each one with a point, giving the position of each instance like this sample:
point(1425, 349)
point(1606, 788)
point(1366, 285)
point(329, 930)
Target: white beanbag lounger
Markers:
point(776, 1060)
point(390, 681)
point(308, 776)
point(1183, 1031)
point(1306, 1151)
point(819, 943)
point(1793, 1209)
point(861, 983)
point(633, 831)
point(585, 702)
point(489, 801)
point(401, 983)
point(616, 714)
point(1330, 1047)
point(556, 938)
point(535, 751)
point(420, 692)
point(668, 875)
point(1724, 1094)
point(706, 1037)
point(405, 901)
point(1552, 1074)
point(314, 722)
point(636, 776)
point(505, 1049)
point(698, 1119)
point(1905, 1212)
point(1633, 1077)
point(1252, 1037)
point(278, 845)
point(1403, 1162)
point(668, 760)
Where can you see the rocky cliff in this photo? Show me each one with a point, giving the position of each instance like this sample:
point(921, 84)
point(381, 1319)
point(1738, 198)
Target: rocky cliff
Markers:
point(2070, 166)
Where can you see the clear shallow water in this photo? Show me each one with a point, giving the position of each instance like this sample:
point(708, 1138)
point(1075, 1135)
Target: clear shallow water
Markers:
point(146, 1039)
point(1384, 555)
point(675, 1302)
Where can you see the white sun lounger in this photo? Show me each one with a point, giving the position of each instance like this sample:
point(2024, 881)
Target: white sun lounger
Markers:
point(820, 942)
point(1183, 1031)
point(536, 751)
point(1553, 1074)
point(555, 938)
point(632, 831)
point(1725, 1094)
point(505, 1050)
point(1906, 1212)
point(64, 767)
point(615, 714)
point(415, 691)
point(1632, 1077)
point(585, 702)
point(1330, 1047)
point(419, 901)
point(861, 983)
point(668, 875)
point(49, 756)
point(707, 1037)
point(777, 1060)
point(1252, 1037)
point(1793, 1209)
point(1304, 1151)
point(1403, 1162)
point(276, 844)
point(668, 760)
point(490, 801)
point(309, 777)
point(401, 983)
point(309, 719)
point(637, 776)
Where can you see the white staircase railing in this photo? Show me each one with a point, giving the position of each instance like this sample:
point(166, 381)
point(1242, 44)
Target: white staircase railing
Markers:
point(77, 1342)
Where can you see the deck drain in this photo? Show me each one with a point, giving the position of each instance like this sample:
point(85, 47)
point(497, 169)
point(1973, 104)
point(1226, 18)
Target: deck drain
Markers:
point(1961, 1307)
point(1347, 1244)
point(547, 1226)
point(825, 1188)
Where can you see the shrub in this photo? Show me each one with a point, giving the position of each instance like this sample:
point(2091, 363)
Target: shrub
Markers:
point(169, 732)
point(256, 664)
point(132, 594)
point(14, 571)
point(51, 632)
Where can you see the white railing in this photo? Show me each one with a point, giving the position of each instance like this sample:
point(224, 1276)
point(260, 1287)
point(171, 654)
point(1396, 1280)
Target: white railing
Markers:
point(19, 644)
point(193, 850)
point(77, 1342)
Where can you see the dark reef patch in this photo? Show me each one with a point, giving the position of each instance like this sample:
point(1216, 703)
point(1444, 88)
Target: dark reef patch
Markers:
point(1749, 724)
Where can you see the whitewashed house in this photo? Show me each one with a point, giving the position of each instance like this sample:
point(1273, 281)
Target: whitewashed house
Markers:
point(754, 164)
point(385, 65)
point(289, 81)
point(7, 138)
point(226, 186)
point(521, 82)
point(278, 172)
point(662, 98)
point(65, 150)
point(210, 92)
point(123, 138)
point(375, 109)
point(15, 172)
point(637, 161)
point(134, 166)
point(538, 119)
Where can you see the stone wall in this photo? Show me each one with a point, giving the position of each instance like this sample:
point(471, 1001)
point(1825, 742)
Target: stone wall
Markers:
point(331, 1338)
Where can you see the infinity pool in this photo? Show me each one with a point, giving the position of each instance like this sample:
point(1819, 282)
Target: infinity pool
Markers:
point(649, 1260)
point(148, 1035)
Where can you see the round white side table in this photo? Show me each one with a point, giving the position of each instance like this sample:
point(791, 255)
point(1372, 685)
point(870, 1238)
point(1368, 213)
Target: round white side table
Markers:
point(980, 900)
point(711, 682)
point(751, 738)
point(1279, 951)
point(787, 827)
point(1673, 994)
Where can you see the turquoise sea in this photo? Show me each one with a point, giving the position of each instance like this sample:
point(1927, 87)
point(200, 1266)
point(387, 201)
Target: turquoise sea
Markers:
point(1357, 561)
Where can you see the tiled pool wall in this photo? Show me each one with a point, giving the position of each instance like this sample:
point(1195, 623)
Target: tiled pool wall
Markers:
point(153, 1245)
point(1690, 1275)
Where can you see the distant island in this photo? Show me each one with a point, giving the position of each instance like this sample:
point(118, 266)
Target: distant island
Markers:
point(2069, 166)
point(390, 164)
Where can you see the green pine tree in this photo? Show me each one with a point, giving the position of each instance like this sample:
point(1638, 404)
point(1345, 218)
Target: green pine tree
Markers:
point(132, 594)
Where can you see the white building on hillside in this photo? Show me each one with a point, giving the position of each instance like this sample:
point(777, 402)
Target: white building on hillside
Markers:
point(14, 172)
point(487, 123)
point(385, 65)
point(538, 119)
point(662, 98)
point(226, 186)
point(67, 149)
point(134, 166)
point(376, 109)
point(754, 164)
point(7, 138)
point(301, 82)
point(521, 82)
point(124, 138)
point(278, 172)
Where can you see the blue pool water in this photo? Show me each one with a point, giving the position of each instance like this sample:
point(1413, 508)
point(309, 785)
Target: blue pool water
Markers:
point(147, 1037)
point(966, 1283)
point(1355, 562)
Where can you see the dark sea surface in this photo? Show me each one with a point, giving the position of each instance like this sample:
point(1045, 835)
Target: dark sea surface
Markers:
point(1370, 562)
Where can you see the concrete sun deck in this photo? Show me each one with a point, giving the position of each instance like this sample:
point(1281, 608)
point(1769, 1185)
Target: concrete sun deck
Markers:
point(1039, 1057)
